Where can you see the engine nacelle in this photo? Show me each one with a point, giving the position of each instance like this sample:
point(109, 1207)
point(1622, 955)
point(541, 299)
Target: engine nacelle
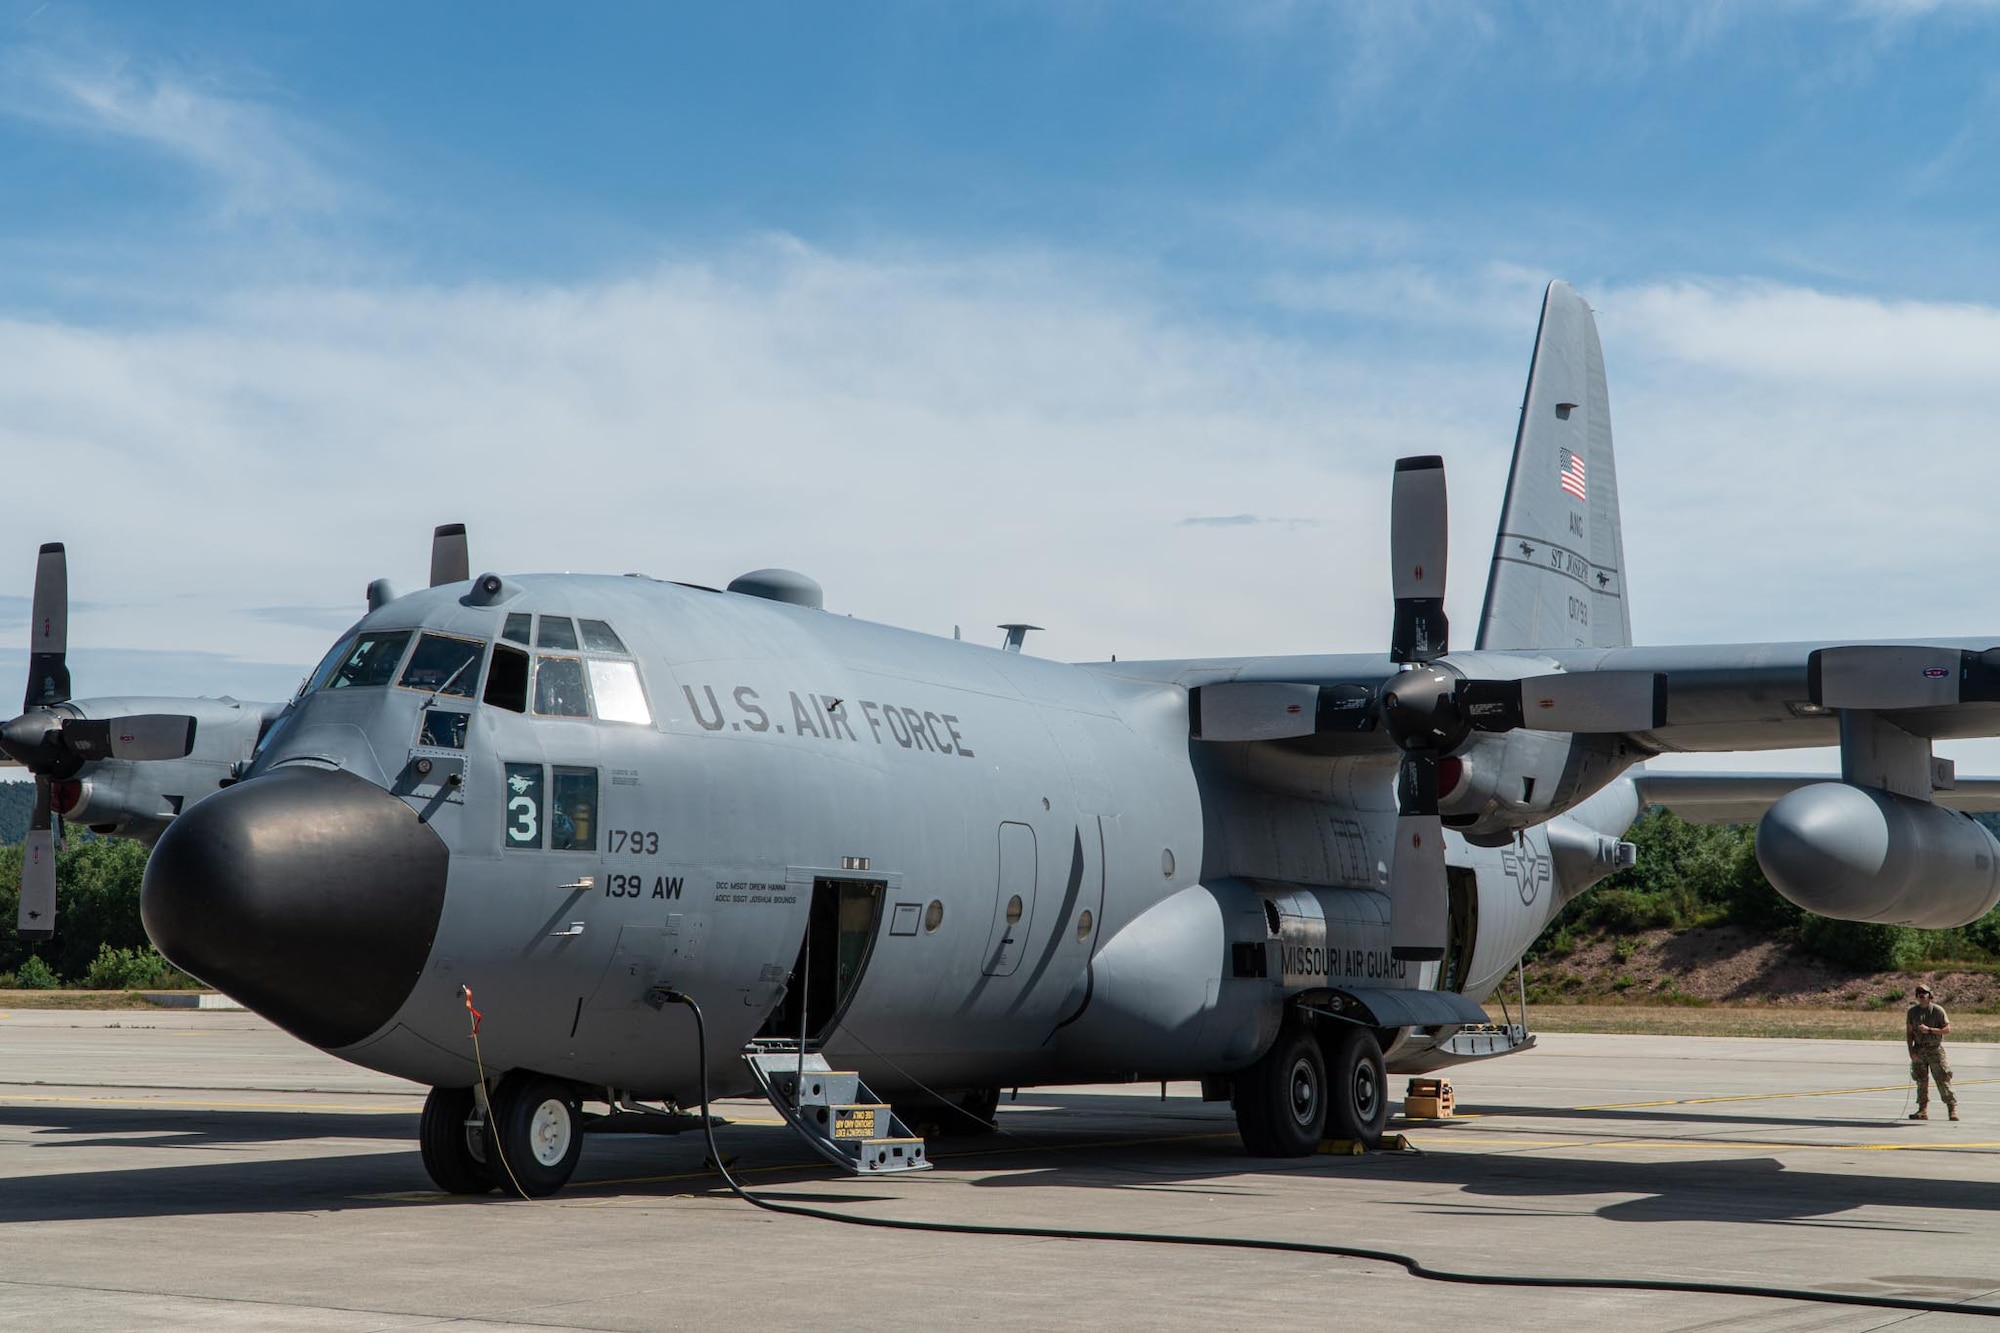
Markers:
point(1859, 854)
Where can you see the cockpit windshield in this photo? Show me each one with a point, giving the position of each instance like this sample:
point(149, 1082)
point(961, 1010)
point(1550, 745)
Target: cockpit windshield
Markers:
point(371, 661)
point(559, 687)
point(444, 665)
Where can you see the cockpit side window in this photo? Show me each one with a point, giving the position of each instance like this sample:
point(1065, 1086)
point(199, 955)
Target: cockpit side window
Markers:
point(557, 632)
point(518, 625)
point(559, 690)
point(507, 679)
point(573, 810)
point(326, 667)
point(372, 660)
point(599, 637)
point(444, 665)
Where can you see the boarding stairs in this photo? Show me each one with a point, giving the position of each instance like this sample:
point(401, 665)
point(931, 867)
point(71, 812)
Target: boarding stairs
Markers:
point(834, 1111)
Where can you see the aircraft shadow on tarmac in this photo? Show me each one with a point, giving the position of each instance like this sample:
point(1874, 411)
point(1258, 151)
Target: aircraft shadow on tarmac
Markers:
point(193, 1127)
point(1079, 1150)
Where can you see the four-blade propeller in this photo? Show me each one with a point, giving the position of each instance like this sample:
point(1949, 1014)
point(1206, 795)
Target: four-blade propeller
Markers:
point(53, 741)
point(1430, 708)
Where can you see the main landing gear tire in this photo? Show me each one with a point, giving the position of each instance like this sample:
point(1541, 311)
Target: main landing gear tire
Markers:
point(454, 1152)
point(538, 1125)
point(1359, 1105)
point(954, 1115)
point(1281, 1101)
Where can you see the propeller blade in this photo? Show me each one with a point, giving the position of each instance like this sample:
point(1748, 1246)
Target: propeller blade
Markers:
point(48, 633)
point(1888, 676)
point(1419, 529)
point(451, 562)
point(1418, 906)
point(1568, 701)
point(37, 918)
point(1253, 710)
point(138, 736)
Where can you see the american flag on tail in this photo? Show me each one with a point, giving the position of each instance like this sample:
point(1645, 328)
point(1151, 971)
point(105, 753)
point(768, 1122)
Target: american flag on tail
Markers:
point(1572, 475)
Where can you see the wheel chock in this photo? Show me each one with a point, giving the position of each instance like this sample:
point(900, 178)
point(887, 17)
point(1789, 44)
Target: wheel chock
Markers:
point(1356, 1148)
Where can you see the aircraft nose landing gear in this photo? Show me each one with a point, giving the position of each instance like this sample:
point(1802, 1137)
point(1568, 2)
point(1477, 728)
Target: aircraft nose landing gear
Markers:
point(529, 1145)
point(453, 1141)
point(537, 1126)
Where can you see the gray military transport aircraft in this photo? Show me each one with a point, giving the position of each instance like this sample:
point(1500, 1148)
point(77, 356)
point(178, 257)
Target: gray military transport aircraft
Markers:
point(900, 872)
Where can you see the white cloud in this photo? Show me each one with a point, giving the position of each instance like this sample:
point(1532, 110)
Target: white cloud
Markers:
point(260, 161)
point(1007, 436)
point(1804, 464)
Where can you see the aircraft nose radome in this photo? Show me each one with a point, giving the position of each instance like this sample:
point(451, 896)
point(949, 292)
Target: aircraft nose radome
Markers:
point(309, 895)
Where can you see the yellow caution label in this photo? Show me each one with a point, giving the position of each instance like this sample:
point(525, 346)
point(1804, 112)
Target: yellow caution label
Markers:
point(854, 1122)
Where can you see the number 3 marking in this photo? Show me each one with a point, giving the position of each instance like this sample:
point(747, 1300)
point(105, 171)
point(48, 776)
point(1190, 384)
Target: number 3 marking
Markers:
point(526, 829)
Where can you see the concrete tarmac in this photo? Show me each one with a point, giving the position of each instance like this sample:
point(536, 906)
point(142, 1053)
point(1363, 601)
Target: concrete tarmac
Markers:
point(200, 1170)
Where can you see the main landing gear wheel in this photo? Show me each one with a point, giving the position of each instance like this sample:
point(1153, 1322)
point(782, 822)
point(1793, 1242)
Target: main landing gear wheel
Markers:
point(454, 1152)
point(1281, 1100)
point(538, 1123)
point(953, 1115)
point(1359, 1106)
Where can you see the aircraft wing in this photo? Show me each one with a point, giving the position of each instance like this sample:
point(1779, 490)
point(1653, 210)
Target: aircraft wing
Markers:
point(1742, 798)
point(1719, 697)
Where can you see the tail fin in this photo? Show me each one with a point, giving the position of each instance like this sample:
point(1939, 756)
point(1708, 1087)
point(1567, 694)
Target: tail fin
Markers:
point(1558, 578)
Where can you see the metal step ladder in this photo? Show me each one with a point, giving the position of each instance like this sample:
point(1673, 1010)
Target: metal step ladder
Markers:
point(834, 1111)
point(1478, 1041)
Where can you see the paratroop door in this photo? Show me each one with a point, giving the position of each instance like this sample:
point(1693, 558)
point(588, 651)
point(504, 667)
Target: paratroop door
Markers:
point(1013, 902)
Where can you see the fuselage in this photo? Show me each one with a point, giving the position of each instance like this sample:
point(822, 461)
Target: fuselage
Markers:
point(569, 790)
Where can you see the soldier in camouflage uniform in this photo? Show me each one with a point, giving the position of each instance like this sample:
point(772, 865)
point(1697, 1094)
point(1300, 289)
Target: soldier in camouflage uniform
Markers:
point(1924, 1026)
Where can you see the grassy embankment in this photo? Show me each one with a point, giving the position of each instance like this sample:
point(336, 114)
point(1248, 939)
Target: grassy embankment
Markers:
point(1742, 1021)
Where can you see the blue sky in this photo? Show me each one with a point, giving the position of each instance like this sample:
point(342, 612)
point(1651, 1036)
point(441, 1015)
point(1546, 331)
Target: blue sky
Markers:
point(1020, 287)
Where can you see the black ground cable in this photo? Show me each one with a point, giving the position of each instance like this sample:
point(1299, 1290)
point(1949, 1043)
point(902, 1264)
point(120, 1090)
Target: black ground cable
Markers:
point(1414, 1267)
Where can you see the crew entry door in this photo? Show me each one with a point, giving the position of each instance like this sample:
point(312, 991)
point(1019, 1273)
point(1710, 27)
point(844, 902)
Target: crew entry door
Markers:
point(840, 938)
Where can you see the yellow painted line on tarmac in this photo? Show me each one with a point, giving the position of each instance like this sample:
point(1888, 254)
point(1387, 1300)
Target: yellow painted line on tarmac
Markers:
point(1471, 1145)
point(1773, 1096)
point(13, 1099)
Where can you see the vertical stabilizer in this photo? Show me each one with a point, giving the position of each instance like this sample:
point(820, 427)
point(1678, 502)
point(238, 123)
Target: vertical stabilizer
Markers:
point(1558, 577)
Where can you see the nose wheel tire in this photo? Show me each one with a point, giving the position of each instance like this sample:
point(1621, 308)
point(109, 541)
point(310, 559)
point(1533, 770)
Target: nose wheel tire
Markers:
point(1281, 1101)
point(538, 1124)
point(455, 1154)
point(1359, 1106)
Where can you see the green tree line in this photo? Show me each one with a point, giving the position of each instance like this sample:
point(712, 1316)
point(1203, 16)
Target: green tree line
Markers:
point(99, 942)
point(1707, 875)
